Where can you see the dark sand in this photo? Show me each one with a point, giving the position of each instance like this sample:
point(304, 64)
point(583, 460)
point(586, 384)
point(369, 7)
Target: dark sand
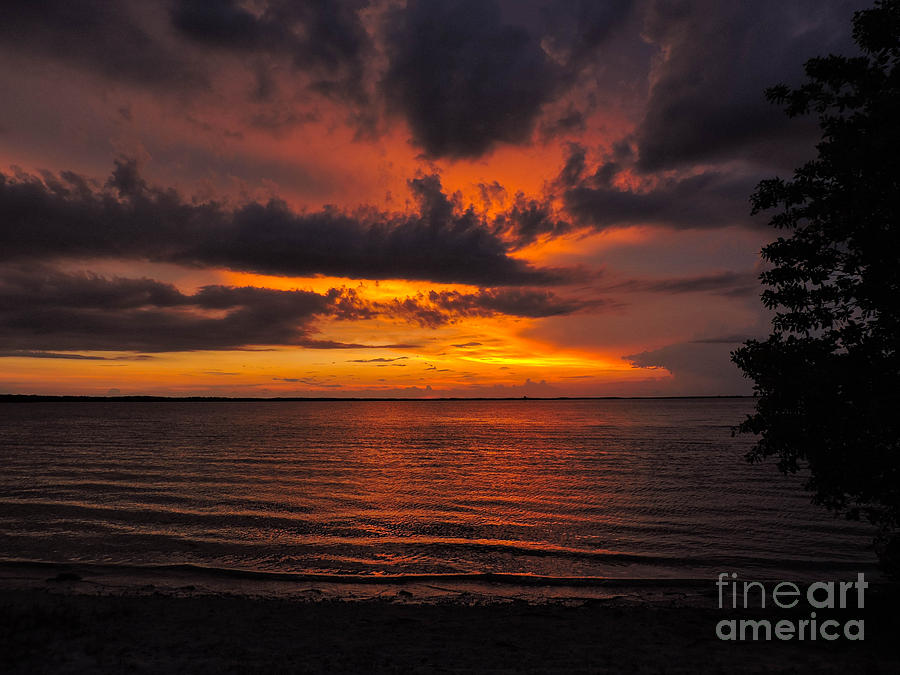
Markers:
point(86, 620)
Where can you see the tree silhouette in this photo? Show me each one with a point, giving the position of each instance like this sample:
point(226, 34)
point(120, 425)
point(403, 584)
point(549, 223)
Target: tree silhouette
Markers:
point(828, 376)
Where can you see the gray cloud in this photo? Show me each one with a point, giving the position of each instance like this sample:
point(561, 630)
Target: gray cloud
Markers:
point(707, 200)
point(594, 197)
point(48, 310)
point(463, 78)
point(323, 37)
point(69, 216)
point(440, 307)
point(466, 79)
point(110, 38)
point(529, 219)
point(44, 311)
point(707, 98)
point(24, 353)
point(698, 368)
point(722, 283)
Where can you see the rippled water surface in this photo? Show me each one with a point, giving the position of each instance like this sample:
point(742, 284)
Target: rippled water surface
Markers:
point(643, 488)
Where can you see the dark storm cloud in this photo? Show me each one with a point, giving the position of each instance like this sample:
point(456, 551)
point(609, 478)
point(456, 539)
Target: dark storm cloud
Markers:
point(529, 219)
point(721, 283)
point(574, 29)
point(107, 37)
point(324, 36)
point(69, 216)
point(707, 98)
point(26, 287)
point(709, 199)
point(572, 122)
point(608, 194)
point(466, 79)
point(43, 309)
point(698, 368)
point(77, 357)
point(437, 308)
point(463, 78)
point(123, 41)
point(511, 301)
point(469, 74)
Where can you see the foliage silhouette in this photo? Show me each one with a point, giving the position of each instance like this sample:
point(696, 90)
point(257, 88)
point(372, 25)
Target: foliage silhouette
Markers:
point(827, 378)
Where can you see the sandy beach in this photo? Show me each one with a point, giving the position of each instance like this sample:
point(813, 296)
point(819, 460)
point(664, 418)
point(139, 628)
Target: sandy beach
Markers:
point(71, 619)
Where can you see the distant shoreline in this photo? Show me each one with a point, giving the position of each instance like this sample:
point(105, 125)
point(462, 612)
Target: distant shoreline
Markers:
point(41, 398)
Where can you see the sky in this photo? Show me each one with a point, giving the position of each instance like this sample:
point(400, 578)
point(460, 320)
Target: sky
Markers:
point(388, 198)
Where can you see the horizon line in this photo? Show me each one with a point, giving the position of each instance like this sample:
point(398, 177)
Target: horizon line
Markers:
point(138, 398)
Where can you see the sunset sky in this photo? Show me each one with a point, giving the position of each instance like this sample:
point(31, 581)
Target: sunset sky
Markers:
point(391, 198)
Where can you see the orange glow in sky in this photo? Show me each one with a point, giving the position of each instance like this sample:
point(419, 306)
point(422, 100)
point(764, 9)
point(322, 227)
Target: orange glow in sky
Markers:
point(388, 214)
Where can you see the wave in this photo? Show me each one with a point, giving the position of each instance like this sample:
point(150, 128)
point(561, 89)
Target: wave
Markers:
point(501, 578)
point(505, 578)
